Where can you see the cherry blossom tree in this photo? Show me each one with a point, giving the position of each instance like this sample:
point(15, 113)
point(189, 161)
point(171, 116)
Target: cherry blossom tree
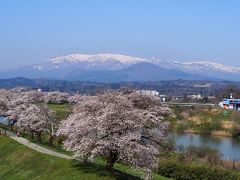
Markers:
point(122, 125)
point(75, 99)
point(32, 96)
point(3, 107)
point(56, 97)
point(5, 100)
point(25, 106)
point(11, 99)
point(35, 118)
point(26, 98)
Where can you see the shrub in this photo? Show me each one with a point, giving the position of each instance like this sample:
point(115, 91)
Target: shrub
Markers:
point(180, 171)
point(208, 125)
point(212, 156)
point(235, 130)
point(181, 127)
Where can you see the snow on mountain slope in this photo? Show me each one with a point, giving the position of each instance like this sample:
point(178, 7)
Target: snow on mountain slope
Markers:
point(84, 61)
point(98, 57)
point(208, 65)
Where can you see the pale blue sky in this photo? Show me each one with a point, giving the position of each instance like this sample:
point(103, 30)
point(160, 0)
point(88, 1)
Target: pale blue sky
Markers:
point(174, 30)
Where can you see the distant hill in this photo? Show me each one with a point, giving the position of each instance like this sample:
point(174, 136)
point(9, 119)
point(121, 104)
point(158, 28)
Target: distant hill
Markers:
point(143, 71)
point(173, 87)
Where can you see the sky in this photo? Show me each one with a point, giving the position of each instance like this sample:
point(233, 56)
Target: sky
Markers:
point(173, 30)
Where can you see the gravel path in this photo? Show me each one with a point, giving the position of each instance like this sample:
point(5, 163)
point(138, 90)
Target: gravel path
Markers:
point(36, 147)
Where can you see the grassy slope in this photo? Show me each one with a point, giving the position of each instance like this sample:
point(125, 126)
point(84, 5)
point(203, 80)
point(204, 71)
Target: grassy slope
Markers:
point(62, 110)
point(19, 161)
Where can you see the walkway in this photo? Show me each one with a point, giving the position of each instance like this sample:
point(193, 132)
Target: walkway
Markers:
point(36, 147)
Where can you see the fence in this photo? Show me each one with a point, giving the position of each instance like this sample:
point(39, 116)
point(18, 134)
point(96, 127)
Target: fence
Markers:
point(3, 132)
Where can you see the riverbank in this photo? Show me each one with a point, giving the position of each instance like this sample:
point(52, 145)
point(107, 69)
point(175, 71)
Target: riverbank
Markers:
point(206, 120)
point(213, 133)
point(197, 163)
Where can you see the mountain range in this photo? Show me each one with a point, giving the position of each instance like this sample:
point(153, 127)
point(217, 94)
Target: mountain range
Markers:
point(118, 68)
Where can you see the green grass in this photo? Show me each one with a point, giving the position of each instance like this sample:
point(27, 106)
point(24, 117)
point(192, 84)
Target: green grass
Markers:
point(20, 162)
point(62, 110)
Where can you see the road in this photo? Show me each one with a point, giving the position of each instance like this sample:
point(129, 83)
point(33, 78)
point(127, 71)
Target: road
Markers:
point(190, 104)
point(36, 147)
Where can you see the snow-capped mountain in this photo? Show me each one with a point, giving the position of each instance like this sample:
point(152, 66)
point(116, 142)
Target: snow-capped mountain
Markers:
point(98, 57)
point(200, 65)
point(117, 67)
point(90, 62)
point(210, 69)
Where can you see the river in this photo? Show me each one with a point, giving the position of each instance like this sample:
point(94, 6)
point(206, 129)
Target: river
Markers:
point(229, 147)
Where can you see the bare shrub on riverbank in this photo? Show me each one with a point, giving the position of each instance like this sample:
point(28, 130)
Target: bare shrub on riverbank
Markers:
point(197, 163)
point(202, 153)
point(231, 164)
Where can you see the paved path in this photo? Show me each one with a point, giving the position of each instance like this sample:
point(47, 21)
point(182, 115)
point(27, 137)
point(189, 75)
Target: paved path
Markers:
point(36, 147)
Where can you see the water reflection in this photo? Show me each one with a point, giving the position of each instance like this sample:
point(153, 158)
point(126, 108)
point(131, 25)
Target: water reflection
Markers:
point(227, 146)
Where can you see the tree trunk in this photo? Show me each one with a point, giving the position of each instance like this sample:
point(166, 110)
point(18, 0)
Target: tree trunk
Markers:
point(32, 134)
point(50, 141)
point(39, 136)
point(111, 161)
